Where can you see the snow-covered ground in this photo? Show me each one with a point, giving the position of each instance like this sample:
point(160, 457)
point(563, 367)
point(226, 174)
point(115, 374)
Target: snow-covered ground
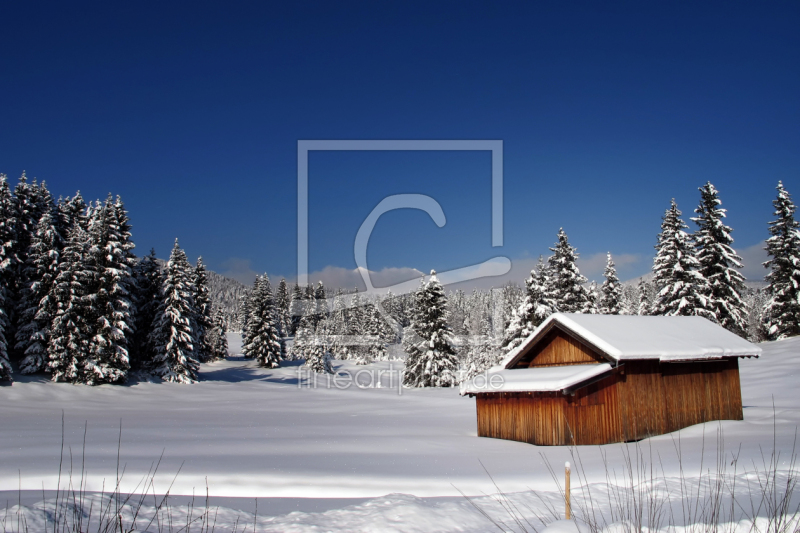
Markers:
point(346, 456)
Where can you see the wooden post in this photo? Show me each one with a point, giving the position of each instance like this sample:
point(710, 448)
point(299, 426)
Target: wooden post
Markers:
point(567, 506)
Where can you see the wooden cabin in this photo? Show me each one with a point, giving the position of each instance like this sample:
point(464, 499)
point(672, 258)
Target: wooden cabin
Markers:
point(599, 379)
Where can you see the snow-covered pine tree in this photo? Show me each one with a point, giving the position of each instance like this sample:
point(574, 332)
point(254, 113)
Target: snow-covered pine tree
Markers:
point(478, 310)
point(385, 326)
point(592, 304)
point(317, 358)
point(389, 304)
point(457, 312)
point(148, 281)
point(36, 307)
point(43, 201)
point(433, 361)
point(301, 343)
point(202, 308)
point(646, 298)
point(31, 201)
point(298, 306)
point(26, 215)
point(321, 303)
point(783, 246)
point(756, 301)
point(511, 297)
point(719, 263)
point(338, 328)
point(7, 268)
point(73, 211)
point(681, 288)
point(217, 337)
point(482, 353)
point(358, 320)
point(378, 333)
point(70, 331)
point(398, 308)
point(5, 365)
point(172, 331)
point(111, 323)
point(283, 302)
point(611, 300)
point(247, 305)
point(310, 308)
point(535, 308)
point(264, 343)
point(567, 281)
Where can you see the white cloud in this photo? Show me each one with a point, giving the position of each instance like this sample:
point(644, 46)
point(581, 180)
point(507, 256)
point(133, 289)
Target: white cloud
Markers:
point(594, 265)
point(333, 277)
point(752, 259)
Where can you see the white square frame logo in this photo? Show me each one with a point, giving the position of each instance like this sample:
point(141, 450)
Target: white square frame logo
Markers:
point(305, 146)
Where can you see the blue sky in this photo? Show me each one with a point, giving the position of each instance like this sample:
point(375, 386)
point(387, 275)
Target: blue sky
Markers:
point(192, 112)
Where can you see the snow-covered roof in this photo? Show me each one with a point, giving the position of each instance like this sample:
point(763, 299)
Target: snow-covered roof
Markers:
point(537, 379)
point(666, 338)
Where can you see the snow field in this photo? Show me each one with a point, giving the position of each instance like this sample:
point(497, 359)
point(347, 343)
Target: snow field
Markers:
point(247, 432)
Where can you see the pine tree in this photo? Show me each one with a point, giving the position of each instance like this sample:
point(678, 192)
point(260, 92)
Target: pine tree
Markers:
point(432, 361)
point(592, 304)
point(646, 298)
point(26, 214)
point(283, 302)
point(719, 263)
point(217, 337)
point(338, 328)
point(320, 297)
point(456, 312)
point(8, 234)
point(247, 306)
point(148, 281)
point(358, 320)
point(681, 288)
point(783, 246)
point(538, 304)
point(73, 212)
point(264, 342)
point(43, 201)
point(317, 358)
point(172, 332)
point(5, 366)
point(567, 281)
point(398, 308)
point(111, 322)
point(482, 353)
point(298, 306)
point(202, 307)
point(70, 331)
point(36, 307)
point(377, 334)
point(611, 301)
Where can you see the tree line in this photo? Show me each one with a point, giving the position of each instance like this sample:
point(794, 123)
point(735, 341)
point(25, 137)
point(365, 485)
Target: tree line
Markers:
point(448, 338)
point(78, 305)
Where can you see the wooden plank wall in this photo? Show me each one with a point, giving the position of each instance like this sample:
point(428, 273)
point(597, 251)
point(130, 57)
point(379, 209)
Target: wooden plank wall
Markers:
point(589, 417)
point(559, 349)
point(702, 391)
point(649, 398)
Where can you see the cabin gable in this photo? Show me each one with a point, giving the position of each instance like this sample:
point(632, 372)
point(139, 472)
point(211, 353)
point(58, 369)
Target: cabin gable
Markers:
point(557, 348)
